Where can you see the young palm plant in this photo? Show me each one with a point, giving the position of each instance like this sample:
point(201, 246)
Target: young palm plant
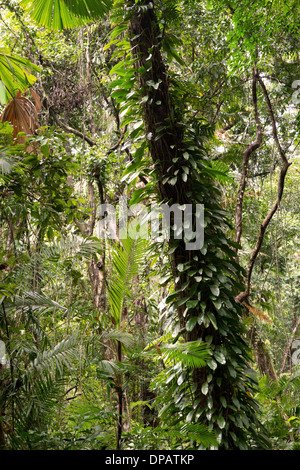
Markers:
point(128, 260)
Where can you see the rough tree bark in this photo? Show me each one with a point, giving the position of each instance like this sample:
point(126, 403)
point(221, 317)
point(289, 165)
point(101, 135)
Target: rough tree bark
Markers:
point(165, 149)
point(96, 267)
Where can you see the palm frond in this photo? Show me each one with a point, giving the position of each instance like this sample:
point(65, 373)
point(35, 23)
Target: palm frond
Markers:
point(121, 336)
point(190, 355)
point(193, 432)
point(89, 247)
point(70, 247)
point(62, 356)
point(7, 162)
point(14, 74)
point(22, 114)
point(34, 409)
point(34, 301)
point(107, 369)
point(65, 14)
point(220, 171)
point(127, 261)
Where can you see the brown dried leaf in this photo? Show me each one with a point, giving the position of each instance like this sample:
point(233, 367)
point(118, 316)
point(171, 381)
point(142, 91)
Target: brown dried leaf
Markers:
point(22, 114)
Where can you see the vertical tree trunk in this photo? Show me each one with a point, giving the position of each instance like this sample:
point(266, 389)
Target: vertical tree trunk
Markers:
point(262, 356)
point(90, 85)
point(2, 411)
point(218, 383)
point(120, 398)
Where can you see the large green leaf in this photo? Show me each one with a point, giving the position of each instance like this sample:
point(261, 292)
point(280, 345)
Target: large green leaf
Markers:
point(15, 74)
point(192, 354)
point(127, 262)
point(64, 14)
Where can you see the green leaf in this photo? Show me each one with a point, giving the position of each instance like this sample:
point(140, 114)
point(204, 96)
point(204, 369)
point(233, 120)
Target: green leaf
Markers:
point(212, 319)
point(223, 401)
point(219, 356)
point(128, 259)
point(15, 74)
point(217, 303)
point(221, 422)
point(190, 324)
point(192, 303)
point(236, 402)
point(192, 354)
point(204, 388)
point(65, 14)
point(215, 290)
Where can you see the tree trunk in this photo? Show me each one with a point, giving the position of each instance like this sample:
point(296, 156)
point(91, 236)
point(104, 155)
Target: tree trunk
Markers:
point(264, 362)
point(217, 381)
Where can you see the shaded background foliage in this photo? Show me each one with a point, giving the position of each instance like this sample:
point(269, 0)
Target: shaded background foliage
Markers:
point(113, 384)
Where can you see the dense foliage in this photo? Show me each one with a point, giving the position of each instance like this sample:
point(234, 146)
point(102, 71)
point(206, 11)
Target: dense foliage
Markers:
point(110, 339)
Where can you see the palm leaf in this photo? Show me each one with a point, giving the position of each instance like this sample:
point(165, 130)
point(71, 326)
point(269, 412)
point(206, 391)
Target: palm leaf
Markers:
point(193, 354)
point(15, 74)
point(34, 301)
point(35, 408)
point(22, 114)
point(71, 247)
point(6, 162)
point(121, 336)
point(127, 261)
point(220, 171)
point(192, 432)
point(62, 355)
point(65, 14)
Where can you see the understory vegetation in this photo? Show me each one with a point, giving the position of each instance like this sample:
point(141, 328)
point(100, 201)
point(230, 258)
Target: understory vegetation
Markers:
point(110, 339)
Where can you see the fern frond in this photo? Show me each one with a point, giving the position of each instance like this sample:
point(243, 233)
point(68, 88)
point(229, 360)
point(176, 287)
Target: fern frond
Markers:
point(127, 261)
point(35, 301)
point(220, 171)
point(63, 355)
point(193, 432)
point(190, 355)
point(6, 162)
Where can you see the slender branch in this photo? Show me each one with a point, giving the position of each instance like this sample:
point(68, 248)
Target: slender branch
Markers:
point(273, 121)
point(71, 130)
point(246, 156)
point(285, 165)
point(83, 136)
point(120, 397)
